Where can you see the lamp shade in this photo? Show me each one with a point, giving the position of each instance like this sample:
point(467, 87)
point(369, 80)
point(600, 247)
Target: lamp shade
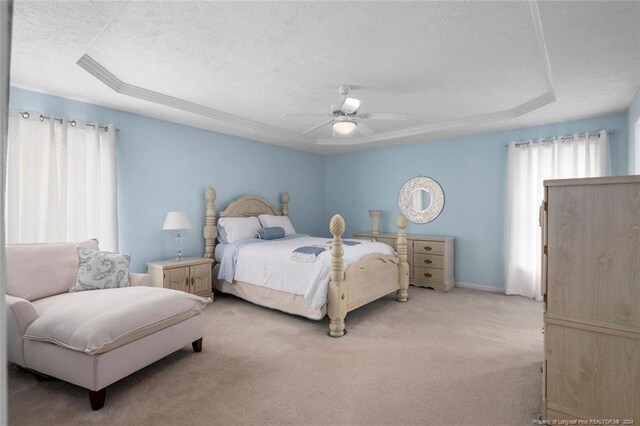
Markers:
point(176, 220)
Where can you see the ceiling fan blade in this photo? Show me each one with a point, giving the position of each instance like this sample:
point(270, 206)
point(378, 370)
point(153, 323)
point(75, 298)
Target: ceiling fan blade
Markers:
point(364, 129)
point(385, 116)
point(350, 105)
point(304, 115)
point(317, 126)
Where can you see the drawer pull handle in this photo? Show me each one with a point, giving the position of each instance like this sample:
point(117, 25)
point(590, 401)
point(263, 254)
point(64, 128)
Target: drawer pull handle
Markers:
point(428, 275)
point(428, 248)
point(428, 261)
point(186, 281)
point(192, 281)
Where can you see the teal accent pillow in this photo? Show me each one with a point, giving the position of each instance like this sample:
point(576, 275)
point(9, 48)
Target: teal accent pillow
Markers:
point(272, 233)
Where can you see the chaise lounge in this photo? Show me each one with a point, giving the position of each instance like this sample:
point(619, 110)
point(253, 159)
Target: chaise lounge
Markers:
point(91, 338)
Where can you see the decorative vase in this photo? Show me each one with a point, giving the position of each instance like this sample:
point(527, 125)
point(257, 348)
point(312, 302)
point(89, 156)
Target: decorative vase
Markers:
point(375, 221)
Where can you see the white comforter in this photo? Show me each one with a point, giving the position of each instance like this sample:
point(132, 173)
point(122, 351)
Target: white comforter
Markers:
point(269, 264)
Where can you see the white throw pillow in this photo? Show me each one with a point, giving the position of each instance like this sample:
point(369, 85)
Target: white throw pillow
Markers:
point(100, 270)
point(232, 229)
point(270, 221)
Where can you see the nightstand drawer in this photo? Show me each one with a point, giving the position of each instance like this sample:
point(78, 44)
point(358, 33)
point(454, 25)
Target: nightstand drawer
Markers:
point(428, 247)
point(428, 274)
point(428, 261)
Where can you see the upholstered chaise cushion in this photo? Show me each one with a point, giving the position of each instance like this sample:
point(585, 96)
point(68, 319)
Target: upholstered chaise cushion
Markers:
point(99, 321)
point(40, 270)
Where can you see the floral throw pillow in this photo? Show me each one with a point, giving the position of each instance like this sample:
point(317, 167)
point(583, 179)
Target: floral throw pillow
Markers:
point(100, 270)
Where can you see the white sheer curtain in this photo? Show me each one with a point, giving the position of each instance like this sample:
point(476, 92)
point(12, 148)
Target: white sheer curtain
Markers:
point(528, 166)
point(61, 182)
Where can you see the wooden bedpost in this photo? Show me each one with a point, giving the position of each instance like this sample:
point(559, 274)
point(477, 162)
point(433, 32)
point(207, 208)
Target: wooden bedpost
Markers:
point(210, 231)
point(284, 199)
point(337, 300)
point(402, 295)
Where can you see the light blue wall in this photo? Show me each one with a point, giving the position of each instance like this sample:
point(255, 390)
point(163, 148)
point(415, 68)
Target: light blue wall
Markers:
point(164, 166)
point(472, 172)
point(632, 117)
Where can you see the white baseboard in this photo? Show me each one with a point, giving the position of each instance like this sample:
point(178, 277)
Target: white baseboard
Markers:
point(482, 287)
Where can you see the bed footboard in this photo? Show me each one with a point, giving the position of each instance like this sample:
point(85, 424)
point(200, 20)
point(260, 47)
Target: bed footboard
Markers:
point(375, 276)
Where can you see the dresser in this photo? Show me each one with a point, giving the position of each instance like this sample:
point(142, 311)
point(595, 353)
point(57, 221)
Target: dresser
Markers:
point(591, 293)
point(430, 258)
point(192, 275)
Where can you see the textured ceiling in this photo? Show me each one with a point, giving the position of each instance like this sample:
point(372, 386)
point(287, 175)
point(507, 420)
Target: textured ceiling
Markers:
point(456, 67)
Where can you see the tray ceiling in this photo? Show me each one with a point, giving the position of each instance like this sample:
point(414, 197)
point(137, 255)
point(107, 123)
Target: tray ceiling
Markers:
point(236, 67)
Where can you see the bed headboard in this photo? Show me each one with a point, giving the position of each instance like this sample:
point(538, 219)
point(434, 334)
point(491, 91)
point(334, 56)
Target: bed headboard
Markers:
point(245, 206)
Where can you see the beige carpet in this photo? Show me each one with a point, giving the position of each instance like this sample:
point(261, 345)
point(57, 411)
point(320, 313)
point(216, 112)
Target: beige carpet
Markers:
point(462, 358)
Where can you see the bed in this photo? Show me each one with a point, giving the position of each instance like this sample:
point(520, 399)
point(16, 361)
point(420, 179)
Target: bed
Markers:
point(347, 276)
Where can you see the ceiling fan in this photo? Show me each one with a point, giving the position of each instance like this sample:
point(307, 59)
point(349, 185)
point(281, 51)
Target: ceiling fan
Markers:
point(346, 118)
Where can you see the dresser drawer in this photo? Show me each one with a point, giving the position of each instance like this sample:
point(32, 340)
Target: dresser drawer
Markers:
point(428, 247)
point(428, 261)
point(428, 274)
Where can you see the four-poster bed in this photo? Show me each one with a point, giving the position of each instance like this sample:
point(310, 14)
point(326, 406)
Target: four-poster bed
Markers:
point(371, 277)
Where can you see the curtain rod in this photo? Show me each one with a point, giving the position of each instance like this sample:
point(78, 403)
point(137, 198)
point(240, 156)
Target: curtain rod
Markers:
point(25, 115)
point(562, 138)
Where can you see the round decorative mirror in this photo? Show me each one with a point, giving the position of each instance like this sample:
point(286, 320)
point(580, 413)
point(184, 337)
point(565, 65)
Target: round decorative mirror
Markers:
point(421, 199)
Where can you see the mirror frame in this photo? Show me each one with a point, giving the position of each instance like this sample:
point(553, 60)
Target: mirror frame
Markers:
point(437, 199)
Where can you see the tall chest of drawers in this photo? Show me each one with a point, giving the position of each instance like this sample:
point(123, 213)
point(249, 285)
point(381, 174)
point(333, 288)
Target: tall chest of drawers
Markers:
point(430, 258)
point(591, 291)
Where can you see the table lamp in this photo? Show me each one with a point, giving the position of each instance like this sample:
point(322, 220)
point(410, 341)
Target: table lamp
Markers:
point(177, 221)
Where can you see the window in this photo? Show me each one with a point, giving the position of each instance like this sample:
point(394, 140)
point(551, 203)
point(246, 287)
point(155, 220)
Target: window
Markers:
point(61, 182)
point(529, 164)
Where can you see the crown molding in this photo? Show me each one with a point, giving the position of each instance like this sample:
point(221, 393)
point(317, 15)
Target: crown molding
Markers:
point(542, 45)
point(109, 79)
point(94, 68)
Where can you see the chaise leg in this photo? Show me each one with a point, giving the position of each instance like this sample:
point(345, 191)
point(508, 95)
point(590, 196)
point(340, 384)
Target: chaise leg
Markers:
point(197, 345)
point(97, 398)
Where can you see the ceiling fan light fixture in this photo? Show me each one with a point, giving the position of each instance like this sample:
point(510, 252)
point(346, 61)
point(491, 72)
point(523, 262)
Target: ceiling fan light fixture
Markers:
point(344, 127)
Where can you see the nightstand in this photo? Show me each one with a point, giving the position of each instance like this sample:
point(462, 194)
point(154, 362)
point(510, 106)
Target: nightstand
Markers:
point(192, 275)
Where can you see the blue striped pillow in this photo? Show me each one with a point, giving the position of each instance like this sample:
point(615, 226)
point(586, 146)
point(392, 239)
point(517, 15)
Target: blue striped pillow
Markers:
point(271, 233)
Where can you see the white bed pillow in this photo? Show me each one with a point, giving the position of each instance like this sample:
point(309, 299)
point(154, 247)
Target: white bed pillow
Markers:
point(232, 229)
point(270, 221)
